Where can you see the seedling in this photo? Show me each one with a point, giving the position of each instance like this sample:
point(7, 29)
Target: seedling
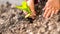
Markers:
point(25, 8)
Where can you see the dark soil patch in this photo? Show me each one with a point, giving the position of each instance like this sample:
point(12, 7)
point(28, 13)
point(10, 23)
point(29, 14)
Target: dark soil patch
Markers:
point(12, 21)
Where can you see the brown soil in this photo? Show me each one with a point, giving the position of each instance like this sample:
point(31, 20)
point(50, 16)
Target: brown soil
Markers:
point(12, 21)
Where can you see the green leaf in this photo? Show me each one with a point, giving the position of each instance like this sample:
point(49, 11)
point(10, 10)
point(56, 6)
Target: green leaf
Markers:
point(19, 7)
point(24, 4)
point(25, 7)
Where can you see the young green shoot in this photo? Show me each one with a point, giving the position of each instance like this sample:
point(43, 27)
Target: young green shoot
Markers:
point(25, 8)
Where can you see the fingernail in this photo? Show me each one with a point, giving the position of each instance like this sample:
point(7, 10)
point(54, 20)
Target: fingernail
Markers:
point(56, 11)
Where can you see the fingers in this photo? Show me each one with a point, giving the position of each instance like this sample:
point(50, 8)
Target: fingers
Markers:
point(48, 14)
point(47, 10)
point(53, 11)
point(33, 14)
point(50, 11)
point(56, 11)
point(30, 3)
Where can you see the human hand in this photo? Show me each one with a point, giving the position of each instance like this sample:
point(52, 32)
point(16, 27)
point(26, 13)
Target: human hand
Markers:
point(51, 7)
point(31, 6)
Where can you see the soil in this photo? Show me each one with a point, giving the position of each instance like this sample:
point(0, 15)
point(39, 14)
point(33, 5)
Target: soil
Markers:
point(12, 21)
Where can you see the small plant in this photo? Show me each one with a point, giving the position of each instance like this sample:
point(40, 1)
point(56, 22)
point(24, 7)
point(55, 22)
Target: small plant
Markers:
point(25, 8)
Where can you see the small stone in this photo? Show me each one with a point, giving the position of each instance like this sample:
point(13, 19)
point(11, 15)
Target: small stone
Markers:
point(1, 21)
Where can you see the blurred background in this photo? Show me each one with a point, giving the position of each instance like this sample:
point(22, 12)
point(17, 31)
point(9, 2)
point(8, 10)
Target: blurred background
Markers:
point(17, 2)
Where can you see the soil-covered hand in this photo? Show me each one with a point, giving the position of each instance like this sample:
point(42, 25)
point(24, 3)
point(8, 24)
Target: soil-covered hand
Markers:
point(31, 6)
point(51, 7)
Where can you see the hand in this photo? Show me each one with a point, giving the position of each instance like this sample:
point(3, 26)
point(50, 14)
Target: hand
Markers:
point(31, 6)
point(51, 7)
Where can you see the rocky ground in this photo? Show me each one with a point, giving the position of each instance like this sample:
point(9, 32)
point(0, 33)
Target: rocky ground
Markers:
point(12, 21)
